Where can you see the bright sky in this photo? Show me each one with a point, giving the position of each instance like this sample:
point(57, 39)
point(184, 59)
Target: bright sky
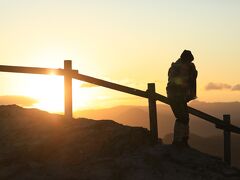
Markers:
point(131, 42)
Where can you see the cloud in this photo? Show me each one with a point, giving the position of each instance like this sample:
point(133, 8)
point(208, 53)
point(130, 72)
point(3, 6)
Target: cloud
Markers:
point(88, 85)
point(236, 87)
point(19, 100)
point(217, 86)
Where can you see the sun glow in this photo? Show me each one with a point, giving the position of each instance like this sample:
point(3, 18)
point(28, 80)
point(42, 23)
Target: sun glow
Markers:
point(49, 92)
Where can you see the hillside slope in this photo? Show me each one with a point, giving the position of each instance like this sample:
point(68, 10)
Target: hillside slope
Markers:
point(38, 145)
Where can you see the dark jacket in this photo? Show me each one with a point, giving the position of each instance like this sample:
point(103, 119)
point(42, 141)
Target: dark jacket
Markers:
point(182, 80)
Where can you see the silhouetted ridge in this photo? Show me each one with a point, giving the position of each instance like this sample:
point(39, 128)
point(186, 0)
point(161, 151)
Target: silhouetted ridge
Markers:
point(39, 145)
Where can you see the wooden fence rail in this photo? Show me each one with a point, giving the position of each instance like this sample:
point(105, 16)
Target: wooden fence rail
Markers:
point(218, 122)
point(35, 70)
point(150, 94)
point(111, 85)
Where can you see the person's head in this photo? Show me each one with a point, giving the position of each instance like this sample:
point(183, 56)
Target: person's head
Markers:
point(187, 56)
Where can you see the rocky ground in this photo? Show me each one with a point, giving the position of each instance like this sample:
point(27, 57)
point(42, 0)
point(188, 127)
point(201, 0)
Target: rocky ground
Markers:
point(38, 145)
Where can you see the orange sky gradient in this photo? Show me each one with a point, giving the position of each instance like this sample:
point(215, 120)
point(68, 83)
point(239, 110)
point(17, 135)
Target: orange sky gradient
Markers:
point(127, 42)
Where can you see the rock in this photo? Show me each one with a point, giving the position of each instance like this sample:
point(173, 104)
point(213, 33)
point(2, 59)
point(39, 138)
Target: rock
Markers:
point(39, 145)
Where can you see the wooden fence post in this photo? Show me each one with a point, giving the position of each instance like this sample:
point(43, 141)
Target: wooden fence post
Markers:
point(227, 139)
point(152, 112)
point(68, 89)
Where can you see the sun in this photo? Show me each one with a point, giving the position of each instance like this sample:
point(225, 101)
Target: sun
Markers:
point(48, 90)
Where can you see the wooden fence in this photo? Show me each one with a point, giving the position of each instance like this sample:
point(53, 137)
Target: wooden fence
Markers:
point(150, 94)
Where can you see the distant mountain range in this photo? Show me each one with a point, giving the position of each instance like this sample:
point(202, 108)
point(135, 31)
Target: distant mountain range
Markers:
point(138, 116)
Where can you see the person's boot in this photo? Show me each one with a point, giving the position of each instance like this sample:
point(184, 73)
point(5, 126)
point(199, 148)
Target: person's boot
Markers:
point(181, 133)
point(185, 142)
point(186, 136)
point(178, 133)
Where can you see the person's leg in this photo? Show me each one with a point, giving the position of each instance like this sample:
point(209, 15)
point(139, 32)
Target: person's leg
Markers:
point(181, 127)
point(185, 121)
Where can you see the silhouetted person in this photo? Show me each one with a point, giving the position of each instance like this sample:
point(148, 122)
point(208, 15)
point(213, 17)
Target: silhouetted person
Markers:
point(181, 89)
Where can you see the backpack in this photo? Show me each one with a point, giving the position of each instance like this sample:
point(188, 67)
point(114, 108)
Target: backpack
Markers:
point(174, 80)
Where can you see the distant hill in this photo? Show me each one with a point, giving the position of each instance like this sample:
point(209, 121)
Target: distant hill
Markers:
point(138, 116)
point(38, 145)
